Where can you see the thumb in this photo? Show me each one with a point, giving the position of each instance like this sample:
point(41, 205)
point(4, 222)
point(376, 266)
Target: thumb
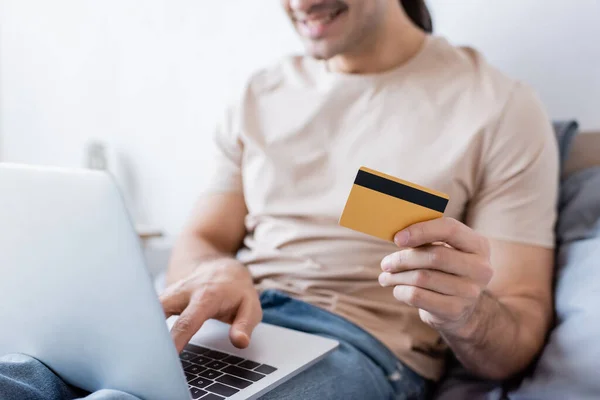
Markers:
point(249, 314)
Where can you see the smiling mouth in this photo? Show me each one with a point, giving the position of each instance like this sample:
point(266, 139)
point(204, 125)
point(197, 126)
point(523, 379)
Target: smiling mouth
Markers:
point(320, 18)
point(314, 25)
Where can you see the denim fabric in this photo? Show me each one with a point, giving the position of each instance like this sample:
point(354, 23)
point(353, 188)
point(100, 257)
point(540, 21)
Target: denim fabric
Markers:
point(361, 368)
point(25, 378)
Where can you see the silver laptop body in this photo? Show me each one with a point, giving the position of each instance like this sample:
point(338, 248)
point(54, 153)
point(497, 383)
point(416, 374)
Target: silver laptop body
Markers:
point(75, 294)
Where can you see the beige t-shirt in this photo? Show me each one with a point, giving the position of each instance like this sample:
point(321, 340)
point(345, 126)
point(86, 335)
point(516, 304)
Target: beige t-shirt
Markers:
point(293, 142)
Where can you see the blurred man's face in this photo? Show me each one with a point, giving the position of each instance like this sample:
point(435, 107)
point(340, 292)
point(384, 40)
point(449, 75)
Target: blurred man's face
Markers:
point(332, 27)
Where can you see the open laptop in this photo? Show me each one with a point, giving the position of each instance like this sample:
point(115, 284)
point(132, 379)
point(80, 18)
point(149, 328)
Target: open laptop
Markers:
point(75, 294)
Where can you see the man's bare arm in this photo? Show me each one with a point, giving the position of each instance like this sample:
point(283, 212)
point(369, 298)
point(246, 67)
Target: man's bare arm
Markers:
point(508, 327)
point(205, 280)
point(216, 230)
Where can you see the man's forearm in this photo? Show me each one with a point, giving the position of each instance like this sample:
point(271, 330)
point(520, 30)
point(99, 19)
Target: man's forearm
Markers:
point(502, 337)
point(189, 252)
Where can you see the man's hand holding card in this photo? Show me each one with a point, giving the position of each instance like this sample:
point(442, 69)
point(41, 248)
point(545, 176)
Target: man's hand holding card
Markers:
point(445, 280)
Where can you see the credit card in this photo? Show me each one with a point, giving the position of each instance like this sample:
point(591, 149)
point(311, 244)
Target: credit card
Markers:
point(381, 205)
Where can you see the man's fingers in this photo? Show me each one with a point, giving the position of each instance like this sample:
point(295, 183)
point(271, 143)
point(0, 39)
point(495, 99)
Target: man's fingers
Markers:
point(440, 258)
point(435, 281)
point(189, 322)
point(249, 314)
point(447, 230)
point(173, 301)
point(447, 307)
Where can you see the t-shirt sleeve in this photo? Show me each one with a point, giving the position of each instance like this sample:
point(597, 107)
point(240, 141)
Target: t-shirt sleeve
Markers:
point(226, 157)
point(516, 198)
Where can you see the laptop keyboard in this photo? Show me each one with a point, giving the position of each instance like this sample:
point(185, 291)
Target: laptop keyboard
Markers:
point(213, 375)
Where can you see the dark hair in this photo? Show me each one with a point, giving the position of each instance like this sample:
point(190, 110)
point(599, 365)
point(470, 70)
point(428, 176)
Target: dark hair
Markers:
point(418, 12)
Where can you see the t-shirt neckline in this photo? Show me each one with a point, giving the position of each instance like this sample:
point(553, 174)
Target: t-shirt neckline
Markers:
point(401, 69)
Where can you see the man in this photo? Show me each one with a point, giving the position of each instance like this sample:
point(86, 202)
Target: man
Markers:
point(376, 90)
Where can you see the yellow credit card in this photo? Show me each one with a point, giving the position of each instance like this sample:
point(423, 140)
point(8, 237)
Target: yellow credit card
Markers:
point(381, 205)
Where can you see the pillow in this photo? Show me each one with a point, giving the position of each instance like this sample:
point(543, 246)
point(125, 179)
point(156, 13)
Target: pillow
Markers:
point(569, 367)
point(565, 131)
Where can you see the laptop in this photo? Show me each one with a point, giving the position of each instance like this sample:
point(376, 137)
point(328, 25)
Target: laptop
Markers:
point(76, 295)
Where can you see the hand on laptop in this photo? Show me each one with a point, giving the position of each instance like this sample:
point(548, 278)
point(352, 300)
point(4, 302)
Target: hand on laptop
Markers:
point(445, 281)
point(222, 290)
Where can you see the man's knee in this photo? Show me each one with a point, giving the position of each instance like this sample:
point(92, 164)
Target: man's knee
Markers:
point(24, 377)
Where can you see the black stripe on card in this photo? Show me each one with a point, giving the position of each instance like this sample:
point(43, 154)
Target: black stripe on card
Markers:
point(400, 191)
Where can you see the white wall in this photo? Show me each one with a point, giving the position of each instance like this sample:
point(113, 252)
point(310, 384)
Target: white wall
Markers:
point(148, 76)
point(554, 45)
point(151, 76)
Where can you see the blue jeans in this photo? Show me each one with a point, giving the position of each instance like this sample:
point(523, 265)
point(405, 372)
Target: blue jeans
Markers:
point(361, 368)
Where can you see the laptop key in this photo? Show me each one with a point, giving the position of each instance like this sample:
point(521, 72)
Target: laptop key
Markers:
point(197, 393)
point(194, 369)
point(265, 369)
point(187, 356)
point(185, 364)
point(201, 360)
point(216, 355)
point(234, 381)
point(200, 382)
point(192, 348)
point(211, 374)
point(216, 365)
point(211, 396)
point(222, 389)
point(190, 377)
point(249, 364)
point(243, 373)
point(233, 360)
